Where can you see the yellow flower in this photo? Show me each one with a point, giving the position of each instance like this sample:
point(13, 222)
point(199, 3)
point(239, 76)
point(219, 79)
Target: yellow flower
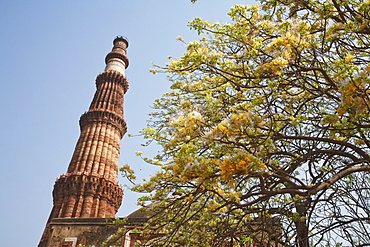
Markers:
point(222, 128)
point(340, 111)
point(180, 38)
point(241, 165)
point(153, 71)
point(348, 58)
point(261, 166)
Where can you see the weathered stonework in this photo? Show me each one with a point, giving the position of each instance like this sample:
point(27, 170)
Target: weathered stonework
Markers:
point(90, 189)
point(85, 231)
point(86, 197)
point(71, 232)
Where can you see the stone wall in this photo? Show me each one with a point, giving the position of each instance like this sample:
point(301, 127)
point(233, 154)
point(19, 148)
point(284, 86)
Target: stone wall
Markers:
point(70, 232)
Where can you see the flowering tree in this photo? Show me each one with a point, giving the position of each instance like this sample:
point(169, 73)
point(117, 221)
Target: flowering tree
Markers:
point(266, 130)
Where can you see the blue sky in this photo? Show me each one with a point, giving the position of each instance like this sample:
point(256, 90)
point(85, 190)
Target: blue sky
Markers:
point(50, 54)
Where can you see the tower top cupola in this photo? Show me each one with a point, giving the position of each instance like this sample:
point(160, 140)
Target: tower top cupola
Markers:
point(117, 41)
point(117, 59)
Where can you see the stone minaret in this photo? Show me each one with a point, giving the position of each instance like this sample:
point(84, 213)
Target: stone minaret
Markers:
point(90, 189)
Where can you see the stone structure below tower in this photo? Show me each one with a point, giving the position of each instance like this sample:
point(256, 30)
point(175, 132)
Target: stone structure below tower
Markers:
point(89, 192)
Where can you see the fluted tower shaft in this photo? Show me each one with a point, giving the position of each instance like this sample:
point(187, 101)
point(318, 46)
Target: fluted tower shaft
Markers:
point(90, 189)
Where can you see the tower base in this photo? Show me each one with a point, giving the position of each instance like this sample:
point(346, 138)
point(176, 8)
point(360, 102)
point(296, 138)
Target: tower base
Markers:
point(71, 232)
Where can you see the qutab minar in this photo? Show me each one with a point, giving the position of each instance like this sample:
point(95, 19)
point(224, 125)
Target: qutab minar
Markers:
point(90, 188)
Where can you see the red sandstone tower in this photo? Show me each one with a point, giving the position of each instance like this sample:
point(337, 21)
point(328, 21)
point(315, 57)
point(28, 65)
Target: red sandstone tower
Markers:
point(90, 188)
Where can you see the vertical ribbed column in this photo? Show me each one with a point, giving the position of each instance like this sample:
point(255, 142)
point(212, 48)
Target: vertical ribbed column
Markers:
point(90, 188)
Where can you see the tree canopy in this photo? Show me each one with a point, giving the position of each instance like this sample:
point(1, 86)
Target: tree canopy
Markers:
point(265, 133)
